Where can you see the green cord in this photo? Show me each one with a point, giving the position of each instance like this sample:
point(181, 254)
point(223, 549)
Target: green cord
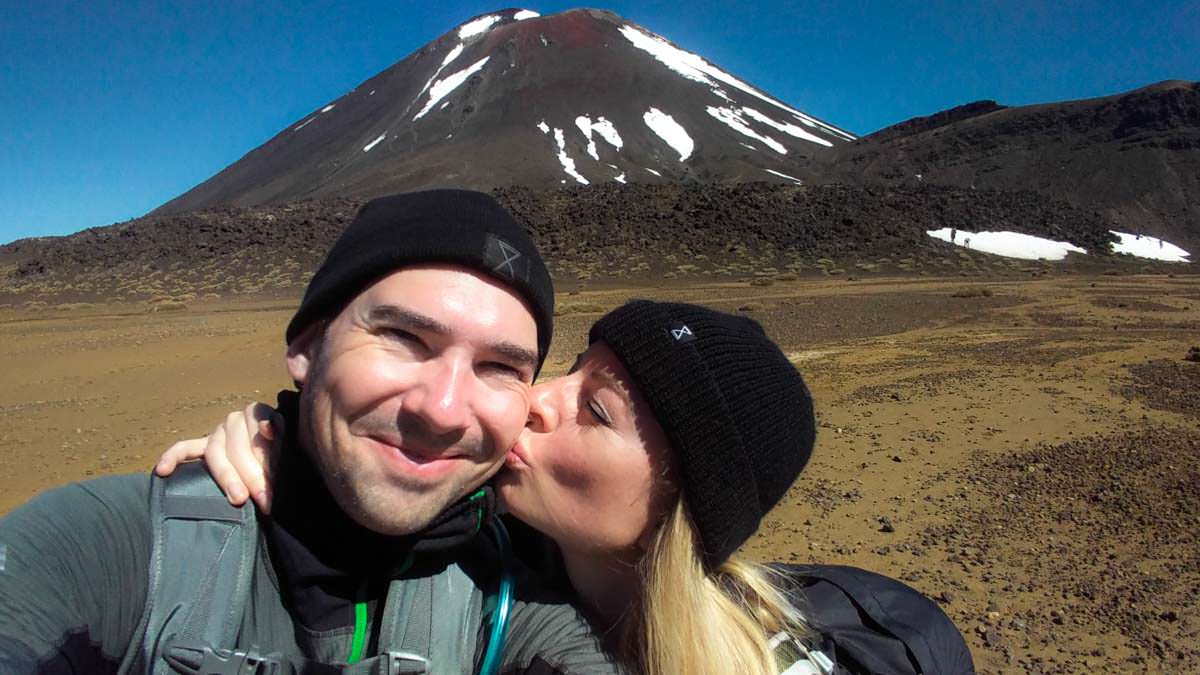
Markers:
point(360, 633)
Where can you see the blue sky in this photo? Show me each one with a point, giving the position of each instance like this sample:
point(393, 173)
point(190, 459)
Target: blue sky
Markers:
point(109, 109)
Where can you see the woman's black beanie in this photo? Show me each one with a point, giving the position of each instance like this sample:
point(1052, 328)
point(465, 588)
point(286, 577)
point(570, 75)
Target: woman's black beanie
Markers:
point(435, 226)
point(736, 411)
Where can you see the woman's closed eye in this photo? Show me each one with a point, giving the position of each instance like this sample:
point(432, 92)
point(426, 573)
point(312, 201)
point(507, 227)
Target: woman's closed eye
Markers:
point(599, 412)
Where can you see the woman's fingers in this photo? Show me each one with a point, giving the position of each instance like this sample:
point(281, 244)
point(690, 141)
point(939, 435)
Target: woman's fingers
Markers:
point(180, 452)
point(251, 452)
point(223, 471)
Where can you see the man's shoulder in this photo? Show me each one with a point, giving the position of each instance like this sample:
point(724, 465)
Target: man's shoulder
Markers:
point(124, 497)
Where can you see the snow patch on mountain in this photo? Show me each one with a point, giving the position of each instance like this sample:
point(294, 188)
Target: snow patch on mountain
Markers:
point(670, 131)
point(525, 14)
point(477, 26)
point(784, 175)
point(304, 123)
point(694, 67)
point(655, 172)
point(602, 127)
point(620, 179)
point(734, 120)
point(789, 129)
point(568, 164)
point(1149, 247)
point(1008, 244)
point(544, 127)
point(328, 108)
point(443, 87)
point(368, 146)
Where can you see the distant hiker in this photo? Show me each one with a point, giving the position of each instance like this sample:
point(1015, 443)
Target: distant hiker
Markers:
point(967, 242)
point(953, 234)
point(649, 465)
point(414, 350)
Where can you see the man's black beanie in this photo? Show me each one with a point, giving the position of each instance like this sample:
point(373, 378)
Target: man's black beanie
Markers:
point(436, 226)
point(738, 415)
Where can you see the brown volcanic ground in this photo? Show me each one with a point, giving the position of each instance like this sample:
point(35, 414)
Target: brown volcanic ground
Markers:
point(1025, 450)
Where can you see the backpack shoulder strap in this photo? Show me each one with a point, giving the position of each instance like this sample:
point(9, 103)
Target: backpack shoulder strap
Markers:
point(200, 569)
point(876, 619)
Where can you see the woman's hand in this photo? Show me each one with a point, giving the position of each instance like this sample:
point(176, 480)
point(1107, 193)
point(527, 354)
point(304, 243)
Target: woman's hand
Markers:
point(237, 454)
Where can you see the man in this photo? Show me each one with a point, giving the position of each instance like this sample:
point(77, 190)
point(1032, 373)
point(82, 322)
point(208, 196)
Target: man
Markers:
point(414, 349)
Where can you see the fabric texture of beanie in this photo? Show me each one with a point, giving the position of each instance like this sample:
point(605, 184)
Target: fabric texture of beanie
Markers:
point(460, 227)
point(738, 414)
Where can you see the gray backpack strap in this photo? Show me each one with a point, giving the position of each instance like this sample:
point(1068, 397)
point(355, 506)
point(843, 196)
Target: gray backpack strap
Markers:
point(434, 620)
point(200, 569)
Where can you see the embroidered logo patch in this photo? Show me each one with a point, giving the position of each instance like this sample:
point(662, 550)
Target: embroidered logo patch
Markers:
point(682, 334)
point(505, 260)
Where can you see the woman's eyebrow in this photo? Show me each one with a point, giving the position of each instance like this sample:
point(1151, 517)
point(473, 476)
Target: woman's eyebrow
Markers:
point(610, 381)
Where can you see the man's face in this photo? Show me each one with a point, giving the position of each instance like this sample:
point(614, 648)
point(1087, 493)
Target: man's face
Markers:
point(412, 395)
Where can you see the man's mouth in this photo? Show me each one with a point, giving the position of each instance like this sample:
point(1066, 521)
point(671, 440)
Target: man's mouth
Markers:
point(421, 462)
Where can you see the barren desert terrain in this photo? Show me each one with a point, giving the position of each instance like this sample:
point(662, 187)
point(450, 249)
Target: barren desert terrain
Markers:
point(1024, 450)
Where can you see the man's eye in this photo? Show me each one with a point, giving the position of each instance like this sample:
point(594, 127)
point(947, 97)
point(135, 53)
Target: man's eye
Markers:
point(401, 335)
point(505, 369)
point(599, 413)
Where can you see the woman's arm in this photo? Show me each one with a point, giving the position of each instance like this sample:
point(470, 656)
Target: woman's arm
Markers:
point(236, 453)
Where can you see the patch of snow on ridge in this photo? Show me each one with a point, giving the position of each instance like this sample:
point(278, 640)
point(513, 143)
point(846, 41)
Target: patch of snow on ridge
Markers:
point(585, 125)
point(375, 142)
point(544, 127)
point(620, 179)
point(304, 123)
point(1149, 247)
point(694, 67)
point(784, 175)
point(458, 49)
point(655, 172)
point(444, 86)
point(670, 131)
point(1008, 244)
point(789, 129)
point(328, 108)
point(525, 14)
point(601, 126)
point(608, 132)
point(568, 164)
point(734, 121)
point(480, 25)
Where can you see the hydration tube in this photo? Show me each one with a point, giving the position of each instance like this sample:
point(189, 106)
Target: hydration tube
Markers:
point(504, 600)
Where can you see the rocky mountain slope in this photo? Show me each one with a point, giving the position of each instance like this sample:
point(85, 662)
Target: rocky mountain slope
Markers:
point(513, 98)
point(598, 232)
point(1134, 156)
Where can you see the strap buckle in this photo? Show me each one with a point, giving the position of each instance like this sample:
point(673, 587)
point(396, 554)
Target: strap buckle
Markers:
point(405, 663)
point(202, 659)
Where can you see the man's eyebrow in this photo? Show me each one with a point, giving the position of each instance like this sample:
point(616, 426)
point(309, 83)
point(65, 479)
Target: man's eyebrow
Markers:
point(394, 314)
point(515, 353)
point(401, 316)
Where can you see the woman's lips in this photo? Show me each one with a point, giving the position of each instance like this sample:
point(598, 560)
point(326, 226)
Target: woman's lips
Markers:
point(516, 457)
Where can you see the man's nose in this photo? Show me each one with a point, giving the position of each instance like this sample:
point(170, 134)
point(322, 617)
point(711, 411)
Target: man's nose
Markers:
point(442, 398)
point(543, 407)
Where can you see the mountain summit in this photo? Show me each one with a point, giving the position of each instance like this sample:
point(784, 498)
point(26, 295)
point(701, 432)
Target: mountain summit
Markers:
point(515, 98)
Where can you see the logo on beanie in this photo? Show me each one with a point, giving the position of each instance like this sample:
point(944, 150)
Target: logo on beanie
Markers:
point(683, 334)
point(504, 259)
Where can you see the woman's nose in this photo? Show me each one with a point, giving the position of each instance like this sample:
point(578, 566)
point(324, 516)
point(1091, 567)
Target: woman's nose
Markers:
point(543, 407)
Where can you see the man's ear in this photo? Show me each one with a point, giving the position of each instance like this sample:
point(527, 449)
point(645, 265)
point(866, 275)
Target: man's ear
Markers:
point(302, 352)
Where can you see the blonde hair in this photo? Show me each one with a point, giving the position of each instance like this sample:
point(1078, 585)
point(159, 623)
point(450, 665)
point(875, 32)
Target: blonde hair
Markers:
point(686, 620)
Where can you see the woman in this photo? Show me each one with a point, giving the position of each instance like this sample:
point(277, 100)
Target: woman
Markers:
point(649, 465)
